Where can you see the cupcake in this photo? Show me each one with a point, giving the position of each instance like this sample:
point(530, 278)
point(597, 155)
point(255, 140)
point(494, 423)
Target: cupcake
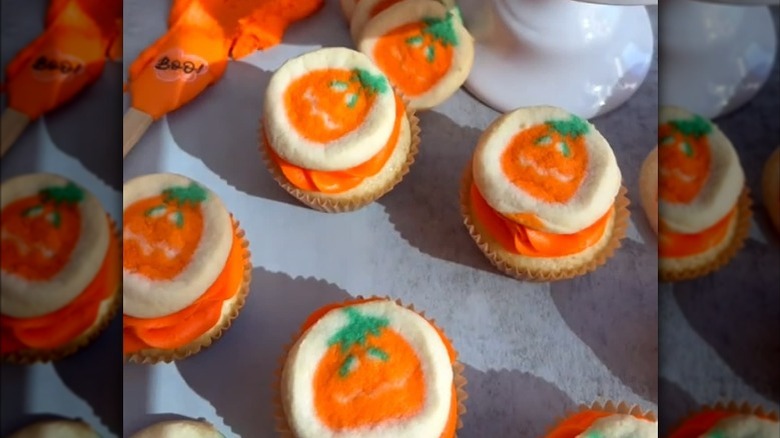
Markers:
point(770, 187)
point(334, 134)
point(542, 196)
point(59, 276)
point(730, 421)
point(186, 268)
point(370, 368)
point(606, 421)
point(179, 429)
point(704, 206)
point(56, 429)
point(422, 47)
point(648, 188)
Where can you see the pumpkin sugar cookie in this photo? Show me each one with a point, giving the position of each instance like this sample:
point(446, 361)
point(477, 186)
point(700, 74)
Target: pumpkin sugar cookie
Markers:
point(648, 188)
point(729, 420)
point(60, 277)
point(179, 429)
point(422, 47)
point(542, 196)
point(56, 429)
point(606, 420)
point(704, 206)
point(186, 268)
point(370, 368)
point(334, 134)
point(770, 187)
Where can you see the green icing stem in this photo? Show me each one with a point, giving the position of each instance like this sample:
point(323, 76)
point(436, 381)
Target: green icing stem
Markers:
point(356, 331)
point(69, 194)
point(192, 194)
point(573, 127)
point(441, 29)
point(696, 127)
point(373, 83)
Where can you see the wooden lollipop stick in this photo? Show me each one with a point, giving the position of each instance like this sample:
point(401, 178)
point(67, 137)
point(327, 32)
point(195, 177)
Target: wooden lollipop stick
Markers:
point(134, 126)
point(12, 124)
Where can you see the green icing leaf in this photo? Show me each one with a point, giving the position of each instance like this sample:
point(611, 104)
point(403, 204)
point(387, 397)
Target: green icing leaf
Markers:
point(357, 330)
point(414, 41)
point(156, 211)
point(346, 366)
point(373, 83)
point(178, 219)
point(55, 218)
point(441, 29)
point(543, 140)
point(339, 85)
point(430, 53)
point(193, 194)
point(574, 127)
point(564, 148)
point(686, 149)
point(33, 211)
point(69, 194)
point(352, 100)
point(378, 354)
point(696, 127)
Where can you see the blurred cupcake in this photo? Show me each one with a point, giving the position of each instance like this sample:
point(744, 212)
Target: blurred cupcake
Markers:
point(421, 46)
point(542, 196)
point(606, 421)
point(186, 268)
point(56, 429)
point(770, 185)
point(648, 188)
point(704, 206)
point(334, 134)
point(370, 368)
point(179, 429)
point(729, 421)
point(60, 277)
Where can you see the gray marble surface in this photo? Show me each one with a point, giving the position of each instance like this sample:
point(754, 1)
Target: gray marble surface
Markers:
point(720, 334)
point(531, 351)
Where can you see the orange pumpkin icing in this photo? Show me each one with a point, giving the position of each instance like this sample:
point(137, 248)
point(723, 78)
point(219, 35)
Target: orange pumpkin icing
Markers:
point(342, 180)
point(528, 241)
point(66, 324)
point(180, 328)
point(395, 403)
point(672, 244)
point(580, 422)
point(684, 159)
point(701, 423)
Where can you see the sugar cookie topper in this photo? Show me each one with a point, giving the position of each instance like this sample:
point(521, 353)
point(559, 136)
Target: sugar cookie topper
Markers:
point(67, 57)
point(194, 53)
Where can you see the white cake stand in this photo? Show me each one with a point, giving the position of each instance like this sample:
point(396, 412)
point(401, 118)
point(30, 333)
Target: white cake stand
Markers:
point(715, 55)
point(585, 57)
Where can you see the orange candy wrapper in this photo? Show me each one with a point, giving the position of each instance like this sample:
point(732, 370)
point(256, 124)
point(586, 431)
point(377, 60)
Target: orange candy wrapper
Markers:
point(194, 53)
point(67, 57)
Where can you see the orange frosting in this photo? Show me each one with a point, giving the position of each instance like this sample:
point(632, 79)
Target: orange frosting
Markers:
point(68, 56)
point(66, 324)
point(342, 180)
point(579, 423)
point(371, 401)
point(701, 423)
point(203, 35)
point(528, 241)
point(180, 328)
point(672, 244)
point(161, 226)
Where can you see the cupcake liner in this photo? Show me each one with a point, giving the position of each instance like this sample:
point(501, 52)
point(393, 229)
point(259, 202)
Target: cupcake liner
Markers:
point(25, 357)
point(743, 408)
point(606, 406)
point(494, 253)
point(737, 242)
point(327, 204)
point(155, 355)
point(459, 381)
